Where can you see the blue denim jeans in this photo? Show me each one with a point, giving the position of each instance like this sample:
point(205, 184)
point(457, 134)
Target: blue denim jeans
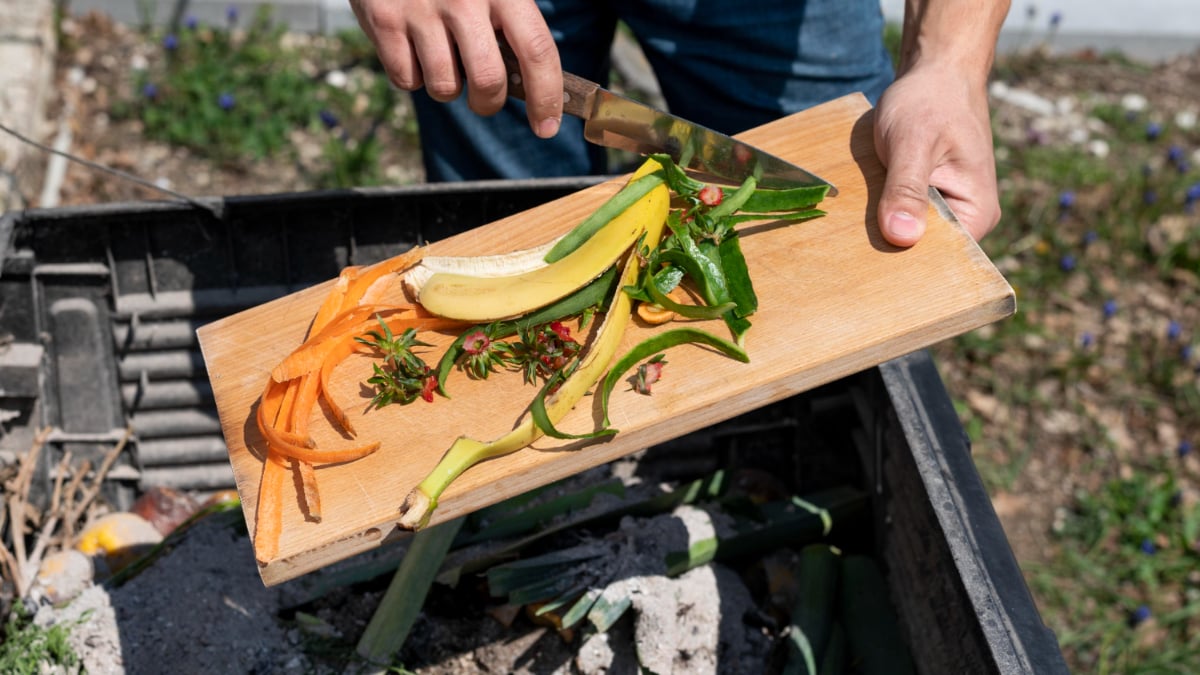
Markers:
point(727, 64)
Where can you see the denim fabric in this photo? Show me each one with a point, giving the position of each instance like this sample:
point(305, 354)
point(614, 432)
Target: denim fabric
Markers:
point(727, 64)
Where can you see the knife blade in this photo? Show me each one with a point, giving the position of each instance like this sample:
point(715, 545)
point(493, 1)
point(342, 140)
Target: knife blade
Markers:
point(615, 121)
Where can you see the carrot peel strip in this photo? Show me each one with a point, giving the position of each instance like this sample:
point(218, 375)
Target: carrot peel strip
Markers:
point(268, 514)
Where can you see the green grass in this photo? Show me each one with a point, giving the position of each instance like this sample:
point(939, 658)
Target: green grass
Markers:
point(26, 647)
point(238, 95)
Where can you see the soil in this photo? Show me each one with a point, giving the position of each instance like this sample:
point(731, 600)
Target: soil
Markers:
point(228, 630)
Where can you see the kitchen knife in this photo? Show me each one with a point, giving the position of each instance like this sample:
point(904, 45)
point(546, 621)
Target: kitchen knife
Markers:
point(615, 121)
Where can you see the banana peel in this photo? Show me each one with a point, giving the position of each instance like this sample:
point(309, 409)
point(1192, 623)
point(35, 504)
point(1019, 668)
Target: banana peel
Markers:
point(646, 220)
point(485, 297)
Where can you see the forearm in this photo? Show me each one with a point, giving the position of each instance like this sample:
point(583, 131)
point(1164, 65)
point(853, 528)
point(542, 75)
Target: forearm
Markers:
point(958, 36)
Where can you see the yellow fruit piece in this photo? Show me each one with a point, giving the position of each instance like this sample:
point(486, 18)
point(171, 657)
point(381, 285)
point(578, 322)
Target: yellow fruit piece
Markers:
point(482, 299)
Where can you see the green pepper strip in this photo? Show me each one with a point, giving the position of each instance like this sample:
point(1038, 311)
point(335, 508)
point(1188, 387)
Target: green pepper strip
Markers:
point(798, 216)
point(595, 293)
point(767, 201)
point(738, 325)
point(737, 277)
point(658, 343)
point(616, 204)
point(736, 200)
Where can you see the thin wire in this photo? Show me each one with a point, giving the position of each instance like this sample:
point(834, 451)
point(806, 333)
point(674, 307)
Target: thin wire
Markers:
point(215, 210)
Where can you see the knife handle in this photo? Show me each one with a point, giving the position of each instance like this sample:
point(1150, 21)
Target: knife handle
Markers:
point(578, 93)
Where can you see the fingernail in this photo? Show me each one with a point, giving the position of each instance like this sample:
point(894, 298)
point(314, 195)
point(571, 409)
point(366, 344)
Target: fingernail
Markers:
point(547, 127)
point(904, 225)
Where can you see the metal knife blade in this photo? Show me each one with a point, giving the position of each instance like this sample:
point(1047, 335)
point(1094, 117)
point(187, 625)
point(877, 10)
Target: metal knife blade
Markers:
point(615, 121)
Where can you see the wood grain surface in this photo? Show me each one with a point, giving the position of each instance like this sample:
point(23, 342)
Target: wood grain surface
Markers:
point(835, 299)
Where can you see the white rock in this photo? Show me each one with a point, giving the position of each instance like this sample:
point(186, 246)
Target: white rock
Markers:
point(1134, 102)
point(1078, 135)
point(1099, 148)
point(138, 63)
point(1185, 119)
point(63, 575)
point(336, 78)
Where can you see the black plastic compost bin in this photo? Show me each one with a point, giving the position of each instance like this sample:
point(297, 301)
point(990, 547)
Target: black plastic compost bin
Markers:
point(99, 307)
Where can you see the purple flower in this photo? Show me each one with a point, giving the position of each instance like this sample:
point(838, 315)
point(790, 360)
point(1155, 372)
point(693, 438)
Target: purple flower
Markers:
point(1185, 448)
point(1066, 199)
point(170, 42)
point(1149, 197)
point(1055, 19)
point(1153, 131)
point(1090, 237)
point(1174, 153)
point(328, 118)
point(190, 23)
point(1174, 330)
point(1086, 340)
point(1148, 546)
point(150, 90)
point(1067, 262)
point(226, 100)
point(1186, 353)
point(231, 15)
point(1193, 194)
point(1140, 615)
point(1110, 308)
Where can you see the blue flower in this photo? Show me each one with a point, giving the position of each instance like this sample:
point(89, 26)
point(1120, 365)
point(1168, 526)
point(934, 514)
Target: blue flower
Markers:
point(231, 15)
point(1086, 340)
point(1174, 153)
point(1193, 194)
point(1149, 197)
point(1067, 262)
point(328, 119)
point(170, 42)
point(1055, 19)
point(191, 23)
point(226, 100)
point(1066, 199)
point(1140, 615)
point(1153, 130)
point(1185, 448)
point(1110, 308)
point(1186, 352)
point(1090, 237)
point(150, 90)
point(1174, 330)
point(1148, 547)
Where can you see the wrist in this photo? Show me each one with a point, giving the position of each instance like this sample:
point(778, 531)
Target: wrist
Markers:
point(954, 37)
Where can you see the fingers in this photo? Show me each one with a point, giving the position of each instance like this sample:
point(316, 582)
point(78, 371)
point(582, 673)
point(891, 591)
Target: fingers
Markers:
point(442, 45)
point(541, 70)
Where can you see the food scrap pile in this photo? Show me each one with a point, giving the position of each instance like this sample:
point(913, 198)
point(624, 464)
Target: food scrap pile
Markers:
point(664, 241)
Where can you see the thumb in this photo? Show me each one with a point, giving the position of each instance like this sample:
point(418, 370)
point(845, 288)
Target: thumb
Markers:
point(905, 199)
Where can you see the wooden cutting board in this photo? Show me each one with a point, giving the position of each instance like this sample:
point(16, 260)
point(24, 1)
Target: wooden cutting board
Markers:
point(835, 299)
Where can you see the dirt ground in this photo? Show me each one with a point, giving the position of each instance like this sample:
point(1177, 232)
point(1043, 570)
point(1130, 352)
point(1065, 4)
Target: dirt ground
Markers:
point(89, 77)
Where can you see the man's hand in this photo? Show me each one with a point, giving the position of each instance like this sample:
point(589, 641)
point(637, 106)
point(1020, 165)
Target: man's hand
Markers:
point(436, 43)
point(932, 126)
point(932, 129)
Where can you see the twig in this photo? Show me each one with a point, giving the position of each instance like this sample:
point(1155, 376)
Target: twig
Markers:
point(47, 531)
point(18, 500)
point(69, 506)
point(101, 472)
